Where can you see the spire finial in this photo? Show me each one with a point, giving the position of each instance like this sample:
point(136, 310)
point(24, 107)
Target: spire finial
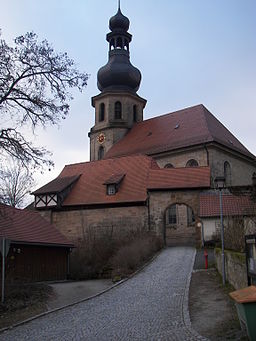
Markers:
point(119, 5)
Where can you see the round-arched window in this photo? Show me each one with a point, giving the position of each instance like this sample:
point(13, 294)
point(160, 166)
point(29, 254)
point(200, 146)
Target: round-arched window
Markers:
point(192, 163)
point(135, 113)
point(102, 112)
point(100, 153)
point(118, 110)
point(168, 165)
point(227, 173)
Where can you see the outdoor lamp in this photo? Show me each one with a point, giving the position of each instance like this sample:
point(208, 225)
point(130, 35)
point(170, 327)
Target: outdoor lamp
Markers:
point(219, 182)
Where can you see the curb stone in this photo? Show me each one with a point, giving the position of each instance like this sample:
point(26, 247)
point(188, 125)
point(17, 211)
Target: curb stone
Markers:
point(185, 306)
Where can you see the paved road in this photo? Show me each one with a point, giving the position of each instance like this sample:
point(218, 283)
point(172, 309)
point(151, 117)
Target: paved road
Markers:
point(153, 305)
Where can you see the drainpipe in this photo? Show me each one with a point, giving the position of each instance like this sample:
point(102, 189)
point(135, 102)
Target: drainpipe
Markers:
point(202, 232)
point(207, 153)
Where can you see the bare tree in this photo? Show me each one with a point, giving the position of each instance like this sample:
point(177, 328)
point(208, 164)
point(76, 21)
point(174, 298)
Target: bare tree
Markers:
point(16, 183)
point(35, 84)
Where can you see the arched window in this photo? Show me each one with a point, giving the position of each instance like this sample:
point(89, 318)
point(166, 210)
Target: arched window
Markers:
point(126, 45)
point(190, 216)
point(168, 165)
point(227, 173)
point(192, 163)
point(100, 153)
point(172, 215)
point(102, 112)
point(112, 44)
point(119, 43)
point(135, 113)
point(118, 110)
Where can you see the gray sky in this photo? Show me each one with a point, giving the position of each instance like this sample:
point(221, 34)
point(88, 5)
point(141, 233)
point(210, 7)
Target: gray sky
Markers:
point(188, 51)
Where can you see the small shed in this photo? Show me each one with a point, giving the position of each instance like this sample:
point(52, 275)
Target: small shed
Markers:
point(38, 251)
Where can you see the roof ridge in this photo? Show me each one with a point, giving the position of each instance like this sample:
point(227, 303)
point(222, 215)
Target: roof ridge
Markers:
point(171, 113)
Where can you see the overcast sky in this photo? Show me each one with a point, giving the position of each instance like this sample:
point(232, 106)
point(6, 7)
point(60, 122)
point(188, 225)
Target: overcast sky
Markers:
point(188, 51)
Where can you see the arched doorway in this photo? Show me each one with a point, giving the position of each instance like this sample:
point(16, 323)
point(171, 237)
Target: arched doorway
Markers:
point(179, 225)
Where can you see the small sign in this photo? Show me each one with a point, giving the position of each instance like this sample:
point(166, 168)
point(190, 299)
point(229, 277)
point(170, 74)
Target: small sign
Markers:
point(250, 241)
point(7, 246)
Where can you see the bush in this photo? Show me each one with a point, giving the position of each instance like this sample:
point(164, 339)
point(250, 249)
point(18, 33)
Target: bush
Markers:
point(132, 255)
point(234, 233)
point(105, 256)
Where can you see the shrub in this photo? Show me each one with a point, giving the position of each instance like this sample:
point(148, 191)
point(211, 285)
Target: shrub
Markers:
point(133, 254)
point(103, 256)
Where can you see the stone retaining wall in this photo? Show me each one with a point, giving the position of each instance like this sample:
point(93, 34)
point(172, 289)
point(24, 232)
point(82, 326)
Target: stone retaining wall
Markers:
point(235, 267)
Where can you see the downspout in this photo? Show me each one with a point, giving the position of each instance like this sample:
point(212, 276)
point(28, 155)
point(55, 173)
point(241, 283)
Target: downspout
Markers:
point(207, 153)
point(68, 264)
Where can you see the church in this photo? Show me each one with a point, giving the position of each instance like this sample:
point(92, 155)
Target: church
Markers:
point(142, 174)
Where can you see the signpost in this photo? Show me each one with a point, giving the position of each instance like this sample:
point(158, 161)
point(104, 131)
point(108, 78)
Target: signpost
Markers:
point(4, 249)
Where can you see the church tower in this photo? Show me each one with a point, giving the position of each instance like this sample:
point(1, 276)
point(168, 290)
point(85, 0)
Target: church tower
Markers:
point(118, 106)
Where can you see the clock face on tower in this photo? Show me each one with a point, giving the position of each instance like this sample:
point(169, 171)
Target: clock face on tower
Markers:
point(101, 138)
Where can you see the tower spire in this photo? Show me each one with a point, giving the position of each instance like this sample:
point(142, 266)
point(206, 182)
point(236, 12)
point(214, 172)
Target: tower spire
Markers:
point(119, 5)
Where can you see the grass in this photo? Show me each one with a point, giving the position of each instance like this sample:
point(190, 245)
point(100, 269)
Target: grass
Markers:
point(23, 301)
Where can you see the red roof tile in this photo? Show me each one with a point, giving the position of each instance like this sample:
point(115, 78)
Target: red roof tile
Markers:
point(114, 179)
point(90, 188)
point(175, 178)
point(139, 173)
point(232, 205)
point(187, 127)
point(57, 185)
point(28, 227)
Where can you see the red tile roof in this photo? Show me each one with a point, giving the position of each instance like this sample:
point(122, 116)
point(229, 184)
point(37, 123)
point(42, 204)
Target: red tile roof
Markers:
point(175, 178)
point(141, 172)
point(57, 185)
point(26, 226)
point(187, 127)
point(114, 179)
point(90, 188)
point(232, 205)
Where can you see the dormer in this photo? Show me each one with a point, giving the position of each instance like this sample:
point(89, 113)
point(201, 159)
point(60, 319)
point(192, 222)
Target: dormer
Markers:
point(113, 183)
point(54, 193)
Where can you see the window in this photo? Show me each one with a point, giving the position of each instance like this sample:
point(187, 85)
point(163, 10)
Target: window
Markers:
point(126, 45)
point(227, 173)
point(119, 43)
point(192, 163)
point(135, 113)
point(172, 215)
point(168, 165)
point(118, 110)
point(100, 153)
point(111, 189)
point(190, 216)
point(113, 183)
point(112, 44)
point(102, 112)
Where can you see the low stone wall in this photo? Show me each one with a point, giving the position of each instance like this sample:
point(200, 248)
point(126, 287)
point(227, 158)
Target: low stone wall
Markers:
point(235, 267)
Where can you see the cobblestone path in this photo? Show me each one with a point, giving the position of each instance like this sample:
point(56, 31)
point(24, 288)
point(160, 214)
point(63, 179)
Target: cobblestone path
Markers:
point(153, 305)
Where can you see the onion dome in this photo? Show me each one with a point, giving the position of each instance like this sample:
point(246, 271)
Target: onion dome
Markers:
point(119, 22)
point(119, 73)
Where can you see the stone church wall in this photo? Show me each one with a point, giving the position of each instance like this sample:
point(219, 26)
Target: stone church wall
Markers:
point(161, 200)
point(79, 225)
point(180, 159)
point(241, 170)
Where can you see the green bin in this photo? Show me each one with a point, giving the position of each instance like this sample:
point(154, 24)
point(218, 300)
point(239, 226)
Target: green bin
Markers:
point(246, 308)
